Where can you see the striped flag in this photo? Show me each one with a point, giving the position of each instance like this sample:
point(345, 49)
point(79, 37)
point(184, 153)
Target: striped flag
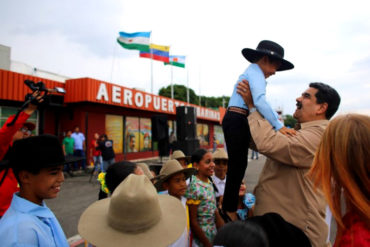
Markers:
point(178, 61)
point(157, 52)
point(134, 41)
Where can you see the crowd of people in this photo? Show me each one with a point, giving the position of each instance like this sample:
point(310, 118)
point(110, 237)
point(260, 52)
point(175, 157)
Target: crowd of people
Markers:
point(100, 150)
point(201, 199)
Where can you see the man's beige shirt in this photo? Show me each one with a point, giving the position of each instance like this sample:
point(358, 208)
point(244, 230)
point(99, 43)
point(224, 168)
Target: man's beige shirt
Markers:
point(283, 187)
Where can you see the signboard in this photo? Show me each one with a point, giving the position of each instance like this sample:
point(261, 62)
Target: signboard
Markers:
point(114, 131)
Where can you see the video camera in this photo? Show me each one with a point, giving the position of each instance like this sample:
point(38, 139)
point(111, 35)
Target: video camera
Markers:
point(40, 86)
point(43, 92)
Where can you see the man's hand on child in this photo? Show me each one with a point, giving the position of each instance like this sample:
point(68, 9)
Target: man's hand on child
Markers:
point(244, 91)
point(287, 132)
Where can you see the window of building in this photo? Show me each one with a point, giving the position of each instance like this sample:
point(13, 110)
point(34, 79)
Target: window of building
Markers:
point(219, 135)
point(145, 134)
point(203, 134)
point(114, 131)
point(171, 127)
point(132, 143)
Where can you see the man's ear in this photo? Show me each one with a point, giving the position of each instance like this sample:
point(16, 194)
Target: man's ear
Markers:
point(24, 177)
point(322, 109)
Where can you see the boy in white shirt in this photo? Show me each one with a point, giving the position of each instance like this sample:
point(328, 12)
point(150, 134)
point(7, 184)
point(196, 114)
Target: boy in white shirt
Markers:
point(173, 179)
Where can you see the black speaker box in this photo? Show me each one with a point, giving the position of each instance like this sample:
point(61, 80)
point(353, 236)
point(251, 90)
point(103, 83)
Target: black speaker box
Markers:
point(186, 121)
point(188, 146)
point(159, 127)
point(163, 147)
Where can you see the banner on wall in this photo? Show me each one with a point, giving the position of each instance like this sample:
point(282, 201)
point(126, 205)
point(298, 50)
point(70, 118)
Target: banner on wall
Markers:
point(132, 135)
point(114, 131)
point(203, 134)
point(171, 127)
point(145, 134)
point(219, 135)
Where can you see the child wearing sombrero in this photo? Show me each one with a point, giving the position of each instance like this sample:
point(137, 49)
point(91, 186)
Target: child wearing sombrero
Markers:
point(135, 215)
point(181, 158)
point(173, 179)
point(37, 163)
point(265, 60)
point(220, 159)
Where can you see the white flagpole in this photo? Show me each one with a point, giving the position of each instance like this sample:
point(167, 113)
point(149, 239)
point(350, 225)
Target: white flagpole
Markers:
point(113, 60)
point(171, 81)
point(151, 70)
point(187, 85)
point(200, 98)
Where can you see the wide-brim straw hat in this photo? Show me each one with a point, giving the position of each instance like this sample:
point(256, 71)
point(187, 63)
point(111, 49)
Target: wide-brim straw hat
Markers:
point(169, 169)
point(146, 170)
point(220, 154)
point(178, 154)
point(270, 48)
point(135, 215)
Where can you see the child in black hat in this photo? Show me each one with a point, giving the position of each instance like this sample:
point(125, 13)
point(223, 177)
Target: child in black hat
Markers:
point(37, 163)
point(266, 60)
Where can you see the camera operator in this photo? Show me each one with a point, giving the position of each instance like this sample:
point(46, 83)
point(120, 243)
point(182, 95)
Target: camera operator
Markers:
point(8, 134)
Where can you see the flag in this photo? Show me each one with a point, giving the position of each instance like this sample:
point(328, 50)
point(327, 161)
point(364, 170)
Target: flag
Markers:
point(157, 52)
point(134, 41)
point(178, 61)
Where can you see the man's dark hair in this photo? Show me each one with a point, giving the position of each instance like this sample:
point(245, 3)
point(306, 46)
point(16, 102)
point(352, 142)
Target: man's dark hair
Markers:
point(241, 233)
point(327, 94)
point(117, 172)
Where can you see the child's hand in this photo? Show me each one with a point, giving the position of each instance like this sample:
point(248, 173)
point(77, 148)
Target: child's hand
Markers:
point(287, 132)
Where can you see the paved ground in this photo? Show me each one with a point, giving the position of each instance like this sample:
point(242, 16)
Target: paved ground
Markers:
point(78, 193)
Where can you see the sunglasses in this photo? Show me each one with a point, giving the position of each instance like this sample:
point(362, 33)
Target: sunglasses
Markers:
point(26, 131)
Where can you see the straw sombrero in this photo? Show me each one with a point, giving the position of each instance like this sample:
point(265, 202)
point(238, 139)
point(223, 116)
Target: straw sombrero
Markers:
point(220, 154)
point(135, 215)
point(178, 154)
point(169, 169)
point(146, 170)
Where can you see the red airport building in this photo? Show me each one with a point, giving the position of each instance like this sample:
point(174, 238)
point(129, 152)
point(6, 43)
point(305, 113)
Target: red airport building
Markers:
point(124, 114)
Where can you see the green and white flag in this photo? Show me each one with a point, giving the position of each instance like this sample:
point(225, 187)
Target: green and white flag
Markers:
point(135, 41)
point(178, 61)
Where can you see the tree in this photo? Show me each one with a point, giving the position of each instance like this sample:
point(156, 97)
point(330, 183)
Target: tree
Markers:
point(289, 121)
point(179, 93)
point(215, 102)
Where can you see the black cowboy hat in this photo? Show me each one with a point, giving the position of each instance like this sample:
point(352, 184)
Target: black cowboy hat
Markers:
point(270, 48)
point(36, 152)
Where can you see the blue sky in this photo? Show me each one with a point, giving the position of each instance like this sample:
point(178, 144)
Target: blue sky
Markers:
point(327, 41)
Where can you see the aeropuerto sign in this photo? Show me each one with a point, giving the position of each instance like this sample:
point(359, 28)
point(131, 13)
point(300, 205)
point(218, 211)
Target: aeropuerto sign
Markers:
point(106, 93)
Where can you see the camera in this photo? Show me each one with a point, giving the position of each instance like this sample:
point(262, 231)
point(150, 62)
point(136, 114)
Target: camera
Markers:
point(41, 98)
point(39, 86)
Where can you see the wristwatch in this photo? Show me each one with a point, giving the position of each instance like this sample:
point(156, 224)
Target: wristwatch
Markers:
point(253, 109)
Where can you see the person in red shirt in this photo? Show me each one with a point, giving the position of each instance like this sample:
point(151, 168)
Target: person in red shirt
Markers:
point(96, 154)
point(341, 169)
point(8, 134)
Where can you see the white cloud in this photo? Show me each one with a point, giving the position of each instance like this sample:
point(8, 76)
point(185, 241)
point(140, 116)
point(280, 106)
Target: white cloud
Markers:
point(327, 41)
